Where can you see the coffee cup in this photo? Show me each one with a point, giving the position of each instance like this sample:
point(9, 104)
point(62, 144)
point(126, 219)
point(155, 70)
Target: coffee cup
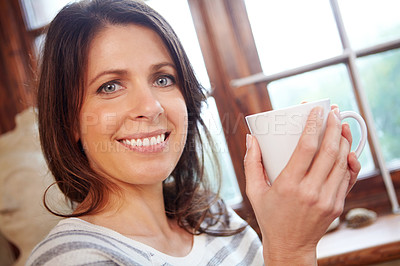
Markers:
point(279, 131)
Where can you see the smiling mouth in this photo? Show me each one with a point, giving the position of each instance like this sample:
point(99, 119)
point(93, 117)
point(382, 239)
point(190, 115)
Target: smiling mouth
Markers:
point(146, 142)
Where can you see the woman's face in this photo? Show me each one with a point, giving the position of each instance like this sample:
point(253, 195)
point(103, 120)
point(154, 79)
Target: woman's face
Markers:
point(133, 121)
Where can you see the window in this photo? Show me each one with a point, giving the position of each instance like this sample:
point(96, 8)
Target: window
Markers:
point(38, 14)
point(380, 77)
point(315, 49)
point(269, 54)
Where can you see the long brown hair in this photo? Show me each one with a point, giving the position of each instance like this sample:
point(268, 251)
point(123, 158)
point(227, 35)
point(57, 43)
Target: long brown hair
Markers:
point(187, 194)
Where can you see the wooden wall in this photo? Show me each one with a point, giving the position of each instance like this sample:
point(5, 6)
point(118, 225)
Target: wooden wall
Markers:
point(16, 65)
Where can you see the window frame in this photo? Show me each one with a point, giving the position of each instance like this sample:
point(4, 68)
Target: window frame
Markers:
point(348, 58)
point(235, 71)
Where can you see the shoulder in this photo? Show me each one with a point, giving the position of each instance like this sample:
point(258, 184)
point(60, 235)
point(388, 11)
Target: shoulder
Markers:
point(243, 248)
point(76, 242)
point(223, 218)
point(235, 222)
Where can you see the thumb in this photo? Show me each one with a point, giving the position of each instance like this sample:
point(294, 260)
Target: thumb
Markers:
point(256, 178)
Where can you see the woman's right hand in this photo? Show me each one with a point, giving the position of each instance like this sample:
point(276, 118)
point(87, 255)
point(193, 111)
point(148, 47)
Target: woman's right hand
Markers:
point(295, 212)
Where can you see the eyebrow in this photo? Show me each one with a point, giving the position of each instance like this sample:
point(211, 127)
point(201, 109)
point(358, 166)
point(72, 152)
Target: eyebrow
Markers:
point(108, 72)
point(161, 65)
point(123, 72)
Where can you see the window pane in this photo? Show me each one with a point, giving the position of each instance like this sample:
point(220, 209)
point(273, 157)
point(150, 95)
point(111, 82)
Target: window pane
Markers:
point(39, 44)
point(38, 13)
point(381, 80)
point(290, 33)
point(330, 82)
point(370, 22)
point(177, 13)
point(230, 191)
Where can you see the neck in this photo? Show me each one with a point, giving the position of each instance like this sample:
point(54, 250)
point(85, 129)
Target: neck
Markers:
point(139, 213)
point(138, 210)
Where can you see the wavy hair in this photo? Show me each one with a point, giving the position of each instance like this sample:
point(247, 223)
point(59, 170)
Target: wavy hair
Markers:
point(187, 194)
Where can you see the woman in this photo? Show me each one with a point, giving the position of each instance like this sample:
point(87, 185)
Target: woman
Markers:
point(119, 120)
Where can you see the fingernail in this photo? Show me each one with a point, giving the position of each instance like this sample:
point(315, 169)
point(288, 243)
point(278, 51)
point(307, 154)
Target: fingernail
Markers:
point(337, 113)
point(248, 141)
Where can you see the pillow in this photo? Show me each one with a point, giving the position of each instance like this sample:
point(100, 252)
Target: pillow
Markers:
point(24, 177)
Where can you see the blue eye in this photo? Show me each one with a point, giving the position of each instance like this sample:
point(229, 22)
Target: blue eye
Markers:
point(164, 81)
point(110, 87)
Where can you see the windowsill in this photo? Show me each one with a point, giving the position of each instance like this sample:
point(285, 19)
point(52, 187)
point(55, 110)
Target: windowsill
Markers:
point(377, 242)
point(392, 167)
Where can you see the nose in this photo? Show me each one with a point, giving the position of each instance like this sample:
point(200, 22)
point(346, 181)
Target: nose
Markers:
point(146, 105)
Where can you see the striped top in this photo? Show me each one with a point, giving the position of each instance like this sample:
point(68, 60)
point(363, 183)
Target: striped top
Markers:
point(77, 242)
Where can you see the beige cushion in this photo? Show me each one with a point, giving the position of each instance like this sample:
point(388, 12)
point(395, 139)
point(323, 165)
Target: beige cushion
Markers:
point(24, 177)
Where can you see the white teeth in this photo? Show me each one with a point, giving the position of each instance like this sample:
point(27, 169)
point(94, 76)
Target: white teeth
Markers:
point(139, 143)
point(145, 141)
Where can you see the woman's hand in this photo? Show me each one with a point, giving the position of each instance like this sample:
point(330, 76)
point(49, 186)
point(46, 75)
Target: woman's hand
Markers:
point(294, 213)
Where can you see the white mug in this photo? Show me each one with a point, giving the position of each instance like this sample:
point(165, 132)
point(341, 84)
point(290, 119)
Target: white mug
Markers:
point(279, 131)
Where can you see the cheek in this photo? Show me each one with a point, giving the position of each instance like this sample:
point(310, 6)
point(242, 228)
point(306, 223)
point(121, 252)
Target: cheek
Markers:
point(108, 123)
point(185, 126)
point(97, 127)
point(88, 121)
point(100, 122)
point(182, 117)
point(177, 116)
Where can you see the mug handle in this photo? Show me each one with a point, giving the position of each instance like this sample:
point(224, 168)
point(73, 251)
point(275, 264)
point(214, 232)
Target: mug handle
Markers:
point(363, 127)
